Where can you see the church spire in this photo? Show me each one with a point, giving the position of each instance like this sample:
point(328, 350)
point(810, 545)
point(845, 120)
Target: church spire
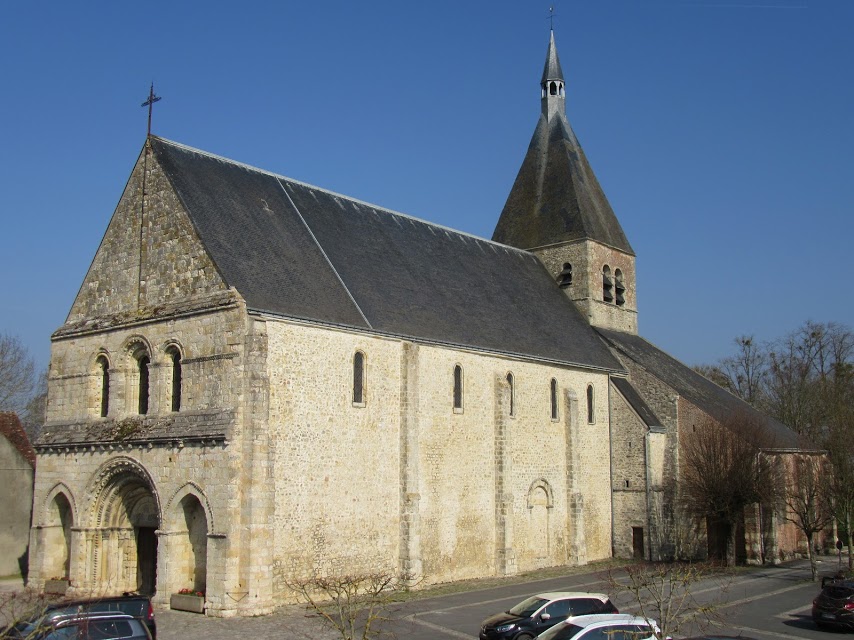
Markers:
point(553, 87)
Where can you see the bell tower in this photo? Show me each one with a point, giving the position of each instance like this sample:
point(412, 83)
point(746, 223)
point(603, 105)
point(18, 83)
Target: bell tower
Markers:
point(557, 210)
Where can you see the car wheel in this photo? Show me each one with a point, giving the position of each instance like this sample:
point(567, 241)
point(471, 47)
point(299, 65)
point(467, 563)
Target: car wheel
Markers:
point(524, 636)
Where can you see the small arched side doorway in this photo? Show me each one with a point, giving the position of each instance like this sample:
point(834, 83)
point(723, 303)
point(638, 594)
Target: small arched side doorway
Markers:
point(57, 537)
point(194, 554)
point(124, 547)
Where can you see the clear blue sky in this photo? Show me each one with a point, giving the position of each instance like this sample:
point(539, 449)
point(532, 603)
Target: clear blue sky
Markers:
point(721, 131)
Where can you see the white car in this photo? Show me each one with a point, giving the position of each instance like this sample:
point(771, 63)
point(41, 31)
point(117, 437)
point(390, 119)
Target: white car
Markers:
point(603, 626)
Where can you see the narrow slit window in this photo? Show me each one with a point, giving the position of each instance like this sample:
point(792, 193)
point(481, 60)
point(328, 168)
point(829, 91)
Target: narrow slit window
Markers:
point(512, 394)
point(553, 394)
point(104, 367)
point(359, 378)
point(590, 414)
point(143, 363)
point(177, 381)
point(458, 388)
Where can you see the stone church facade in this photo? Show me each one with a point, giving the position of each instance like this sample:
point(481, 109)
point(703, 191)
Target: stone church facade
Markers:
point(261, 380)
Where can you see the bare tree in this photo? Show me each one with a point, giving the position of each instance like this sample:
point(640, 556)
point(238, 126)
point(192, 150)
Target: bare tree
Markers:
point(724, 470)
point(807, 501)
point(669, 593)
point(742, 374)
point(17, 374)
point(353, 605)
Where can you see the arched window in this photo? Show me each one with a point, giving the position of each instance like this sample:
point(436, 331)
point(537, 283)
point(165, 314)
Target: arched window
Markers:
point(142, 363)
point(104, 368)
point(619, 288)
point(553, 88)
point(553, 396)
point(564, 279)
point(512, 394)
point(458, 388)
point(590, 414)
point(359, 378)
point(607, 284)
point(175, 355)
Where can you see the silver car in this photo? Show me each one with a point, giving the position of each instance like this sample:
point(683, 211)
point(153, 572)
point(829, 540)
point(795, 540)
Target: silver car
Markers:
point(604, 626)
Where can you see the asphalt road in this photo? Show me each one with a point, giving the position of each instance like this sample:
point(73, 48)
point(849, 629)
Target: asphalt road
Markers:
point(762, 602)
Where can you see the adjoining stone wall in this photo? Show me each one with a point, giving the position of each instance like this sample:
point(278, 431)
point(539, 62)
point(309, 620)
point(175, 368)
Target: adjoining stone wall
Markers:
point(629, 476)
point(16, 501)
point(588, 260)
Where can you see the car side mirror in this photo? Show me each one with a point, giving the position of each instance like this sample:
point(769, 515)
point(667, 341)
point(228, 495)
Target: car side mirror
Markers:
point(545, 616)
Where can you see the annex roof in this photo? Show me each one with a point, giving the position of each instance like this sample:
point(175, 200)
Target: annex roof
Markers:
point(13, 431)
point(302, 252)
point(637, 402)
point(698, 390)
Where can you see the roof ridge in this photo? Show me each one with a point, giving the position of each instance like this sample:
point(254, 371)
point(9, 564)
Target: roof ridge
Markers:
point(377, 207)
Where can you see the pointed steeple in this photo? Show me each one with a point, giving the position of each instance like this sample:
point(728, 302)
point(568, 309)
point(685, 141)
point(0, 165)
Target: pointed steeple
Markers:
point(557, 210)
point(553, 86)
point(556, 197)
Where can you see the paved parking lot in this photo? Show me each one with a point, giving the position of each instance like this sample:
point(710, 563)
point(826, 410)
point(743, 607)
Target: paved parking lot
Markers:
point(762, 602)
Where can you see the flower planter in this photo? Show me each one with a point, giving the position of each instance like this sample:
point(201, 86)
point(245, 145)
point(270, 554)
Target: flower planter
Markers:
point(187, 602)
point(56, 587)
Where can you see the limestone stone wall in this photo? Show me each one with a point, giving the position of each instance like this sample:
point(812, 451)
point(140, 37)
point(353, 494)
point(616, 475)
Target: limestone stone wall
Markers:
point(150, 253)
point(426, 485)
point(209, 343)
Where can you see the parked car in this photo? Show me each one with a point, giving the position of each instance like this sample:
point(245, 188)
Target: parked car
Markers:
point(834, 606)
point(534, 615)
point(134, 605)
point(85, 626)
point(603, 627)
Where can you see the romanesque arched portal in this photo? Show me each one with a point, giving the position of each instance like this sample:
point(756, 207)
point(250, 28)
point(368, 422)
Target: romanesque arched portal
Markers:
point(123, 541)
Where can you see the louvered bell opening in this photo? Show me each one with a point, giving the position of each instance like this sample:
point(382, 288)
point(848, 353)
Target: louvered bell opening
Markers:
point(607, 296)
point(620, 299)
point(619, 286)
point(606, 281)
point(564, 279)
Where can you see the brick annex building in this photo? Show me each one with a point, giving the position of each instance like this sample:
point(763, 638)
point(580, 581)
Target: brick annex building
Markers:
point(261, 379)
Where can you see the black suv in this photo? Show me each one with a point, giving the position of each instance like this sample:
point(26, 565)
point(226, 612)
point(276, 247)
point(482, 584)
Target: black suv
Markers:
point(136, 606)
point(103, 625)
point(534, 615)
point(834, 606)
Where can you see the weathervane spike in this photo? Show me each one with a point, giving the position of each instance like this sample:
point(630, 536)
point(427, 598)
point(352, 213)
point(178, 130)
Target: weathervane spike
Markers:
point(149, 103)
point(552, 17)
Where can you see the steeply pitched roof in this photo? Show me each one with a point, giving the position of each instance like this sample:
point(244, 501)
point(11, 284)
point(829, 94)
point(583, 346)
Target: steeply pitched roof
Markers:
point(11, 428)
point(302, 252)
point(556, 197)
point(552, 70)
point(695, 388)
point(637, 402)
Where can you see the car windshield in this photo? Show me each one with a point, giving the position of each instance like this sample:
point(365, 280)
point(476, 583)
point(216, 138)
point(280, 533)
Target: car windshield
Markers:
point(526, 608)
point(560, 632)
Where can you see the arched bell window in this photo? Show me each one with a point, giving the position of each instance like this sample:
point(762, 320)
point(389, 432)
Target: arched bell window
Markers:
point(619, 288)
point(607, 284)
point(564, 279)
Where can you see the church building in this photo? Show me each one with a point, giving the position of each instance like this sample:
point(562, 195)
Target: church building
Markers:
point(261, 380)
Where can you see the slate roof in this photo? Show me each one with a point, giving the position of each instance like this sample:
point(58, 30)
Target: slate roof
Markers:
point(556, 197)
point(695, 388)
point(637, 402)
point(302, 252)
point(11, 428)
